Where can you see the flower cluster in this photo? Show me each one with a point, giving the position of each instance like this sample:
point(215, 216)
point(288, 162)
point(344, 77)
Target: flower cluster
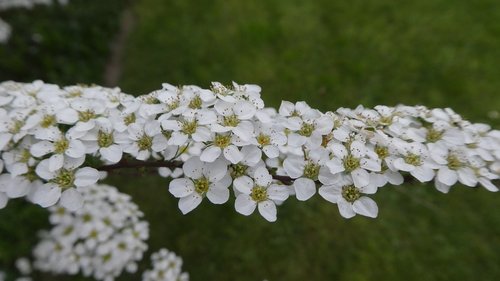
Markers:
point(57, 141)
point(167, 266)
point(5, 29)
point(101, 239)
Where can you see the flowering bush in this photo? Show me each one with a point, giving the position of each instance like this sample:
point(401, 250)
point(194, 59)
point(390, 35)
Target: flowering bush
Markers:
point(57, 143)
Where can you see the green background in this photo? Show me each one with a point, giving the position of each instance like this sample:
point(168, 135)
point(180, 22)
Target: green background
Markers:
point(329, 53)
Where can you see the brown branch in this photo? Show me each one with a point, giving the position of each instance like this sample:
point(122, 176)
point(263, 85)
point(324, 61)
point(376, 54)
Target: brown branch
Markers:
point(135, 164)
point(127, 164)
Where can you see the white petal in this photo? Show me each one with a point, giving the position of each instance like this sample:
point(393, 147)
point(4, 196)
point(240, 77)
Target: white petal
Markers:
point(243, 204)
point(271, 151)
point(71, 199)
point(304, 188)
point(422, 173)
point(47, 195)
point(181, 187)
point(278, 192)
point(252, 155)
point(43, 171)
point(370, 164)
point(447, 176)
point(75, 149)
point(215, 171)
point(86, 176)
point(262, 176)
point(365, 206)
point(345, 209)
point(112, 153)
point(358, 149)
point(330, 193)
point(188, 203)
point(360, 177)
point(244, 110)
point(18, 188)
point(3, 200)
point(41, 148)
point(67, 116)
point(243, 184)
point(294, 166)
point(233, 154)
point(335, 166)
point(442, 187)
point(56, 162)
point(268, 210)
point(193, 168)
point(218, 195)
point(210, 154)
point(488, 185)
point(202, 134)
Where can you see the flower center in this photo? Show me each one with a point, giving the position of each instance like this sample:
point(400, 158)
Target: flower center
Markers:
point(61, 145)
point(433, 135)
point(351, 163)
point(201, 185)
point(16, 127)
point(311, 170)
point(413, 159)
point(174, 104)
point(64, 179)
point(195, 103)
point(238, 170)
point(86, 115)
point(306, 130)
point(350, 193)
point(222, 141)
point(454, 162)
point(189, 128)
point(259, 194)
point(382, 151)
point(231, 121)
point(104, 139)
point(145, 142)
point(47, 121)
point(263, 140)
point(129, 119)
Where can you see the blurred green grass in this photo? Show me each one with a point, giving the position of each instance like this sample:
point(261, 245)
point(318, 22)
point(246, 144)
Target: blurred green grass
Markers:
point(331, 54)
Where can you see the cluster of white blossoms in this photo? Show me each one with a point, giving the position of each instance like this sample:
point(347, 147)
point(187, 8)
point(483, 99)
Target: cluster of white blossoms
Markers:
point(55, 142)
point(102, 239)
point(5, 29)
point(167, 266)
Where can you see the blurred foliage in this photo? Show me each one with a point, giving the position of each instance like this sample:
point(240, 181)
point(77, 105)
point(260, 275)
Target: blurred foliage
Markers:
point(60, 44)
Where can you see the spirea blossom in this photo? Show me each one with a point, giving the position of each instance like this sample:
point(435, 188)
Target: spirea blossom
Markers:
point(167, 266)
point(101, 239)
point(222, 143)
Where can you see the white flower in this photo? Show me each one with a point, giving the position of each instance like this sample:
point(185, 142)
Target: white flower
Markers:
point(260, 192)
point(63, 185)
point(140, 139)
point(202, 179)
point(60, 147)
point(416, 160)
point(167, 266)
point(354, 160)
point(349, 198)
point(222, 144)
point(305, 171)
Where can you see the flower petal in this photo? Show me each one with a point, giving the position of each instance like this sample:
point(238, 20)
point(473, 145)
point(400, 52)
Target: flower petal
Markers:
point(189, 203)
point(268, 210)
point(181, 187)
point(365, 206)
point(244, 204)
point(71, 199)
point(304, 188)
